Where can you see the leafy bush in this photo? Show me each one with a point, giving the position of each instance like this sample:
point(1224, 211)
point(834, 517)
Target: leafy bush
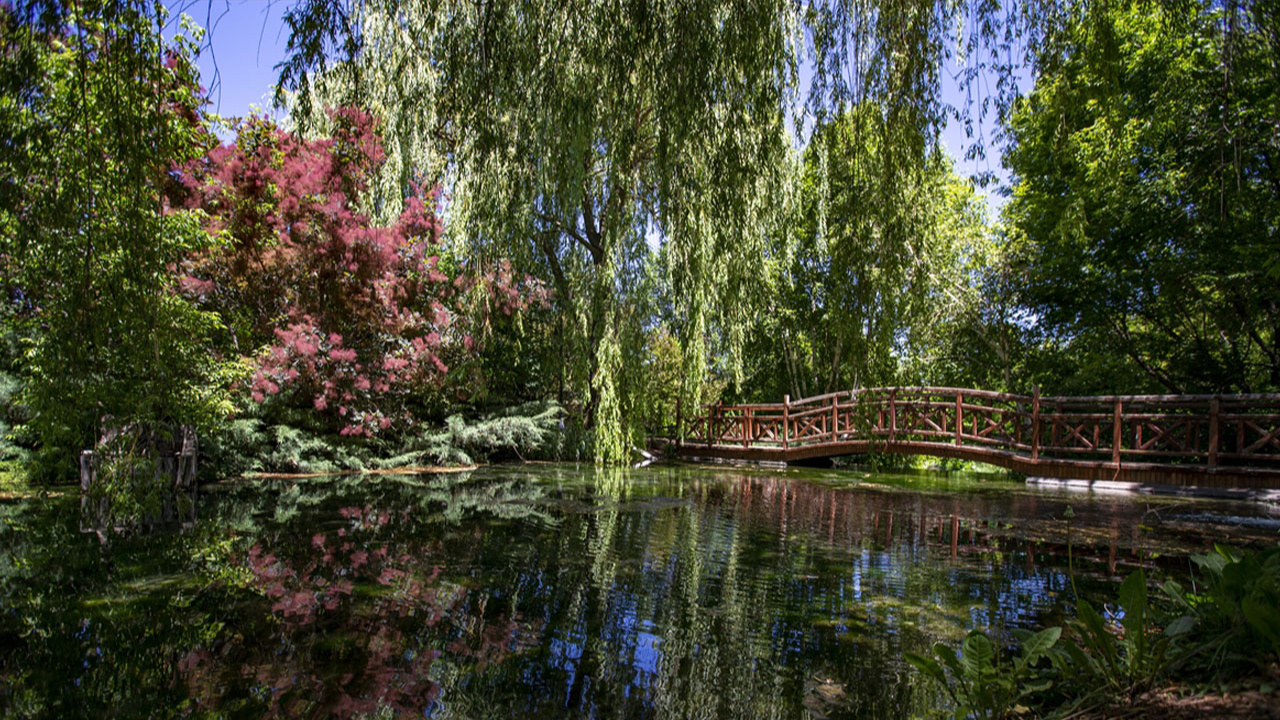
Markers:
point(99, 105)
point(357, 322)
point(249, 444)
point(520, 430)
point(1119, 662)
point(12, 446)
point(1231, 629)
point(984, 684)
point(1234, 625)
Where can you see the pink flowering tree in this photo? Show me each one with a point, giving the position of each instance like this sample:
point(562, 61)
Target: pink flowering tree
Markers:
point(349, 319)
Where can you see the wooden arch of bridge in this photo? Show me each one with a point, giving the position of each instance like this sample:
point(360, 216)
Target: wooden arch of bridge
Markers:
point(1208, 440)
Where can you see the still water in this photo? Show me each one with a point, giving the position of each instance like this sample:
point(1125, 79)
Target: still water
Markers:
point(558, 591)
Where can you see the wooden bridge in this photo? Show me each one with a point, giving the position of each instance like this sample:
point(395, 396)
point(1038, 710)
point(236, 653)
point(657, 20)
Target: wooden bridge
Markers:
point(1206, 440)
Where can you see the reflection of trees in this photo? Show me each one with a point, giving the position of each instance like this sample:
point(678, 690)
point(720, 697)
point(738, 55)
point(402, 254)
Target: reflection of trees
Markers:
point(359, 614)
point(543, 591)
point(325, 651)
point(260, 611)
point(88, 630)
point(743, 594)
point(693, 609)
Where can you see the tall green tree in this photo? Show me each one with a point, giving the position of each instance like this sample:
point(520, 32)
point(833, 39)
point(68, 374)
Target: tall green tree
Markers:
point(96, 109)
point(880, 262)
point(576, 133)
point(1146, 212)
point(574, 136)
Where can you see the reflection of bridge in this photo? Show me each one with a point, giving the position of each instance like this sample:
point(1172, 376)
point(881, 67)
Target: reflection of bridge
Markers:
point(1214, 440)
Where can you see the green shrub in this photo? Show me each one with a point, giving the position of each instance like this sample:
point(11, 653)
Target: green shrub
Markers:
point(247, 444)
point(982, 682)
point(1119, 662)
point(1230, 629)
point(1233, 625)
point(518, 431)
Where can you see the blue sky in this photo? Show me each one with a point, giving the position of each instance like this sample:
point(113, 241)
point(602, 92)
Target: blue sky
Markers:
point(247, 40)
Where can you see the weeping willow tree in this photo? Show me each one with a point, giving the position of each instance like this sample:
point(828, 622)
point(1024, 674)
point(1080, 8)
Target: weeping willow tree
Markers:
point(572, 138)
point(875, 263)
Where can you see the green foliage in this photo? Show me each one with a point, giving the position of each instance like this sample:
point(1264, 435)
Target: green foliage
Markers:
point(97, 106)
point(1227, 631)
point(984, 684)
point(877, 272)
point(292, 449)
point(247, 444)
point(1233, 623)
point(666, 121)
point(1125, 662)
point(126, 493)
point(14, 443)
point(519, 430)
point(1145, 219)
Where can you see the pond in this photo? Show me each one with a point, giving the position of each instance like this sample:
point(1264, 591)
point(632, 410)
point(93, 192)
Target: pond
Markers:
point(561, 591)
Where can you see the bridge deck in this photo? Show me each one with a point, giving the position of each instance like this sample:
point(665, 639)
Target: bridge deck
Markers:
point(1208, 440)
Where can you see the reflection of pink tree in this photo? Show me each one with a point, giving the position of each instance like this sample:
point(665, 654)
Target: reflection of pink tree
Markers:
point(350, 622)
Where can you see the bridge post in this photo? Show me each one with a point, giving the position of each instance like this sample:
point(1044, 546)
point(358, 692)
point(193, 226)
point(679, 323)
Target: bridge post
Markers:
point(1116, 433)
point(959, 416)
point(1214, 410)
point(786, 420)
point(893, 415)
point(835, 418)
point(1057, 424)
point(713, 422)
point(1035, 423)
point(746, 428)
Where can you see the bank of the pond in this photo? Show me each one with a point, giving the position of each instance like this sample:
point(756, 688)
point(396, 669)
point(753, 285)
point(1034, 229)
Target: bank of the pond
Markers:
point(403, 470)
point(553, 590)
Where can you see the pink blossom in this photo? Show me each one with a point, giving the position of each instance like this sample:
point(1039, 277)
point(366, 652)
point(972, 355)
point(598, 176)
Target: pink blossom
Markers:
point(307, 257)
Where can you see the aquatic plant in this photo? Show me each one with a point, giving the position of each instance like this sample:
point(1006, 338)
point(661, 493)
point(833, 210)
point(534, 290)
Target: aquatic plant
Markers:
point(1123, 661)
point(1233, 624)
point(1231, 628)
point(985, 683)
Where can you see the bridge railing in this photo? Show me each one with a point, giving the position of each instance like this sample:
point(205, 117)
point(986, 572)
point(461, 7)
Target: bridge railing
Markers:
point(1209, 430)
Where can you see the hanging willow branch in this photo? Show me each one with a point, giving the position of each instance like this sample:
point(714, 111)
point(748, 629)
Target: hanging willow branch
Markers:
point(610, 124)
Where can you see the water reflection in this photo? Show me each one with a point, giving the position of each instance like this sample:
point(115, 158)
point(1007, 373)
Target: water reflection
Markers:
point(552, 591)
